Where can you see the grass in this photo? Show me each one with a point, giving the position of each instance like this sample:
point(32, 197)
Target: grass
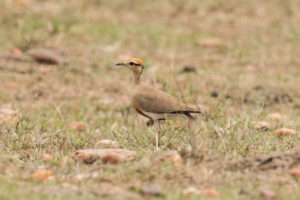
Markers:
point(255, 72)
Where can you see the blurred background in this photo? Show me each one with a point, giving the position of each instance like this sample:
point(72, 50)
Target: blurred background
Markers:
point(59, 91)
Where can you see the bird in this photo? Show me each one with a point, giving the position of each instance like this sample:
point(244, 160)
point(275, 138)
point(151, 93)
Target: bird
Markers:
point(154, 103)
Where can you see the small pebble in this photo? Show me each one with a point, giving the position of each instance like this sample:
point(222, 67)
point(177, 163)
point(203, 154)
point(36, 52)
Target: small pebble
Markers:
point(262, 125)
point(285, 132)
point(266, 193)
point(295, 172)
point(77, 126)
point(111, 158)
point(152, 190)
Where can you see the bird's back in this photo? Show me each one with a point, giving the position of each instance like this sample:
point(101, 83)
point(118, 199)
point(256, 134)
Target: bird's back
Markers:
point(154, 100)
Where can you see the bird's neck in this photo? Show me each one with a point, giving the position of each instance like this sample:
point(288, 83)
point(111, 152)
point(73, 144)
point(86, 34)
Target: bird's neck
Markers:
point(137, 77)
point(137, 80)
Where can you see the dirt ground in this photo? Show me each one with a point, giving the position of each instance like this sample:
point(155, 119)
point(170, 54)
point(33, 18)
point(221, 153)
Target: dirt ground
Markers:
point(61, 99)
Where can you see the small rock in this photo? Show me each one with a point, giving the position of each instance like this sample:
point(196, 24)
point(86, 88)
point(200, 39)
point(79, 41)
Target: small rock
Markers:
point(262, 125)
point(188, 69)
point(191, 191)
point(77, 126)
point(211, 192)
point(266, 193)
point(243, 192)
point(42, 175)
point(7, 115)
point(46, 157)
point(276, 116)
point(111, 158)
point(89, 156)
point(295, 172)
point(16, 51)
point(107, 144)
point(85, 157)
point(176, 126)
point(258, 87)
point(285, 132)
point(286, 98)
point(46, 55)
point(210, 42)
point(81, 177)
point(214, 94)
point(170, 156)
point(152, 190)
point(7, 111)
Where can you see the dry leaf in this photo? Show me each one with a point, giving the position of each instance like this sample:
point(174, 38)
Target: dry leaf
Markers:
point(111, 158)
point(276, 116)
point(77, 126)
point(210, 42)
point(285, 132)
point(295, 172)
point(266, 193)
point(42, 175)
point(262, 125)
point(211, 192)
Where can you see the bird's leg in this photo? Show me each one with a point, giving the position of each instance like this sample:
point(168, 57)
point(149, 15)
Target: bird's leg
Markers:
point(158, 133)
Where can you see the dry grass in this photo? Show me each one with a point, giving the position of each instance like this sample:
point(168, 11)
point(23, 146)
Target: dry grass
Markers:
point(254, 71)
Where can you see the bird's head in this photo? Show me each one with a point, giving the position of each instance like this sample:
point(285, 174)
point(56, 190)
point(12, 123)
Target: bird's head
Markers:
point(135, 65)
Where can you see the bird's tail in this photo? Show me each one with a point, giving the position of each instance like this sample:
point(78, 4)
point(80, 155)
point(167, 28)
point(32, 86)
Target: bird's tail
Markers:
point(187, 113)
point(191, 109)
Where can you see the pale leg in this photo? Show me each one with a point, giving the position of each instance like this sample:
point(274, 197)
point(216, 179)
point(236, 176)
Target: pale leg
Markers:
point(158, 133)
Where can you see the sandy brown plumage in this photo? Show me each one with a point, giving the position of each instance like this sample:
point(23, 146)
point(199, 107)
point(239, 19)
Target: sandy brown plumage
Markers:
point(152, 100)
point(154, 103)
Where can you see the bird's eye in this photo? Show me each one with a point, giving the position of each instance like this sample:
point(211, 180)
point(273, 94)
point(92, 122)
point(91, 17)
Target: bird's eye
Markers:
point(131, 63)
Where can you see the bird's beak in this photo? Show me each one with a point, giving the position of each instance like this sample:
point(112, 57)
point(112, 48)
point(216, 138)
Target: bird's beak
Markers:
point(120, 64)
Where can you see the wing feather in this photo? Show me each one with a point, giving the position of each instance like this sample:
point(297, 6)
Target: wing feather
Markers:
point(156, 101)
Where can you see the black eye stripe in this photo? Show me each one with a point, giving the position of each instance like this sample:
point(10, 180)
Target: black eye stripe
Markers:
point(133, 63)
